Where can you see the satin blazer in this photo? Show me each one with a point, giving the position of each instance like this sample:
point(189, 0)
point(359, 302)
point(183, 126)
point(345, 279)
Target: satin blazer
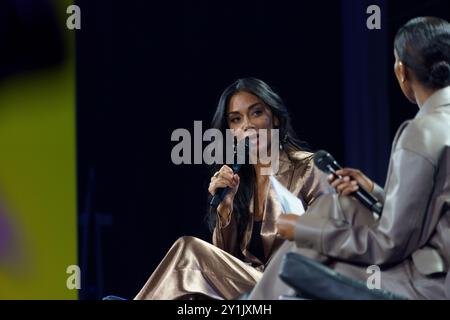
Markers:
point(299, 175)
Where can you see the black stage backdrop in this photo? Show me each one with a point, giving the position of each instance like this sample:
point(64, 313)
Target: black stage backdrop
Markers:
point(145, 69)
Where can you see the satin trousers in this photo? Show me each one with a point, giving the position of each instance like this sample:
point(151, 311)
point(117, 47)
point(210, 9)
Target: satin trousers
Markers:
point(194, 268)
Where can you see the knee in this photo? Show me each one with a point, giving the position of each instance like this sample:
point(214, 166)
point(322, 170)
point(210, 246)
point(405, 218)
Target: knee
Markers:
point(185, 240)
point(188, 242)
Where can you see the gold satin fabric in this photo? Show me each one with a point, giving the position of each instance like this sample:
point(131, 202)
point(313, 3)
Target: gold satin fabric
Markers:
point(194, 268)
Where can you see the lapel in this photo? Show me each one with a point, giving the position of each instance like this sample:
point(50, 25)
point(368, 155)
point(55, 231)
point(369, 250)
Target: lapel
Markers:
point(272, 210)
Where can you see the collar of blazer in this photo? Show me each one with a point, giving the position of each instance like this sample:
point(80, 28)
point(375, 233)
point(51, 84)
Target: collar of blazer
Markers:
point(294, 159)
point(438, 99)
point(285, 163)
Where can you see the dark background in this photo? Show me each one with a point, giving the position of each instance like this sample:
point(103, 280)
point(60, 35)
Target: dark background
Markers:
point(146, 69)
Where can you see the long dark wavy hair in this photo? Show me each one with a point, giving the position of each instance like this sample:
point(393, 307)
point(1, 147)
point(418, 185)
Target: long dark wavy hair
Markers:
point(288, 141)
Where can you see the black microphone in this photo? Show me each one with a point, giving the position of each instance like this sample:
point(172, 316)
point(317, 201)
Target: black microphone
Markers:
point(222, 192)
point(325, 162)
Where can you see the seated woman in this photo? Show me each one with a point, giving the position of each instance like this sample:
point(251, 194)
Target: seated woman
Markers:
point(244, 235)
point(410, 242)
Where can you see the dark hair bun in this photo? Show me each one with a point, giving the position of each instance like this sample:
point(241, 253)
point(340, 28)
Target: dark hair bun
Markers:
point(440, 74)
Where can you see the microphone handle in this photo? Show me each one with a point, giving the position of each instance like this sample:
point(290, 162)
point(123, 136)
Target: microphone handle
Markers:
point(364, 196)
point(222, 192)
point(368, 200)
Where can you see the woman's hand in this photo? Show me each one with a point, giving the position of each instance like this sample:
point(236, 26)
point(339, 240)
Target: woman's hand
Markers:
point(286, 225)
point(350, 180)
point(221, 179)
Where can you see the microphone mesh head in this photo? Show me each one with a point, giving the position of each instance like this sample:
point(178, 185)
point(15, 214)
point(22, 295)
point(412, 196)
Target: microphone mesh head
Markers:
point(322, 160)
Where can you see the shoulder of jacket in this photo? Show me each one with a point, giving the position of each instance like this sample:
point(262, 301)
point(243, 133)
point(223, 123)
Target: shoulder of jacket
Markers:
point(426, 136)
point(301, 157)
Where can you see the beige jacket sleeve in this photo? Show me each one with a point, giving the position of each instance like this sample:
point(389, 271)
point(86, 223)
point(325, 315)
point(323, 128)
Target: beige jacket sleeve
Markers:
point(404, 222)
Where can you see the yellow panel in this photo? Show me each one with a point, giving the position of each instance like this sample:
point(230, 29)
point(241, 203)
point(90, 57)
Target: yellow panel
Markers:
point(38, 218)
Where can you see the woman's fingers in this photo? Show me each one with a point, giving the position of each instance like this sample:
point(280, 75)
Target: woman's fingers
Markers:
point(216, 185)
point(336, 183)
point(236, 179)
point(349, 189)
point(357, 175)
point(225, 177)
point(220, 183)
point(349, 181)
point(353, 174)
point(348, 172)
point(345, 186)
point(225, 182)
point(226, 169)
point(341, 187)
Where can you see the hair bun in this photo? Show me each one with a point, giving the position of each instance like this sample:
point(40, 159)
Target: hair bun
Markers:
point(440, 73)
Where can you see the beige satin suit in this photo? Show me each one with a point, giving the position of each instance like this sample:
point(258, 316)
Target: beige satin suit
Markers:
point(410, 242)
point(195, 268)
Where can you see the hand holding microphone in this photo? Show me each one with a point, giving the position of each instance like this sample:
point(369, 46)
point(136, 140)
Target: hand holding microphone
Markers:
point(225, 182)
point(359, 188)
point(350, 181)
point(224, 179)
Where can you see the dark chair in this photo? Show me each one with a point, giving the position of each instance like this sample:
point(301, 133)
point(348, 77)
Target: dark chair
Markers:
point(313, 280)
